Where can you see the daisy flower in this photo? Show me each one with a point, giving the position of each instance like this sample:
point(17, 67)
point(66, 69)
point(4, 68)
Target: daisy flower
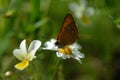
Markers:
point(24, 55)
point(81, 11)
point(68, 51)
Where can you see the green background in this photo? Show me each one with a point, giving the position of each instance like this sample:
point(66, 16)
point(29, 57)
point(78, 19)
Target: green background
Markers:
point(41, 20)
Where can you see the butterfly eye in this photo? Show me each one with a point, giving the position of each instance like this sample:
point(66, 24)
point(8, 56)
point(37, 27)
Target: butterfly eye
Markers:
point(59, 44)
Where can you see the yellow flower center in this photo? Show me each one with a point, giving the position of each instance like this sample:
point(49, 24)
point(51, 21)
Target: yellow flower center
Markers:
point(85, 19)
point(66, 50)
point(22, 65)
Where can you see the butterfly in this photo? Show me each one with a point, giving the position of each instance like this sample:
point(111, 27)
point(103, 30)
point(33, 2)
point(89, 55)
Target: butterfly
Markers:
point(68, 33)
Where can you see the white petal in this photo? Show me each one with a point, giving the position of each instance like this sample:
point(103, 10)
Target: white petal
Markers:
point(23, 47)
point(59, 54)
point(90, 11)
point(77, 9)
point(75, 46)
point(79, 55)
point(62, 55)
point(73, 7)
point(83, 3)
point(35, 44)
point(78, 59)
point(32, 49)
point(65, 57)
point(68, 56)
point(50, 45)
point(31, 55)
point(19, 55)
point(75, 50)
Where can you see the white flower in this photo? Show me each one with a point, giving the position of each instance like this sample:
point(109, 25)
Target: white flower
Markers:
point(69, 51)
point(25, 55)
point(8, 73)
point(81, 11)
point(50, 45)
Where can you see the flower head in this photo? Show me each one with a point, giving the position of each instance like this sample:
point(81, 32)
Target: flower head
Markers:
point(68, 51)
point(82, 12)
point(25, 55)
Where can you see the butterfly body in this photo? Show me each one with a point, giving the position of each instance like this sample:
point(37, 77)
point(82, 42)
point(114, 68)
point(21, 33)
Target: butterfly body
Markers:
point(68, 33)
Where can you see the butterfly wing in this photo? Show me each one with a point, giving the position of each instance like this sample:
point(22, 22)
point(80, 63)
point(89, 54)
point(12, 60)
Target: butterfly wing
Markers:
point(68, 33)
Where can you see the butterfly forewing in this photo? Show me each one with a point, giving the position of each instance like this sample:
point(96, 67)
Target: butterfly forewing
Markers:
point(68, 33)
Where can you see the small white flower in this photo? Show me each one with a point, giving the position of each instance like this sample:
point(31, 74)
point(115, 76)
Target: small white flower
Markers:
point(69, 51)
point(50, 45)
point(81, 11)
point(25, 55)
point(8, 73)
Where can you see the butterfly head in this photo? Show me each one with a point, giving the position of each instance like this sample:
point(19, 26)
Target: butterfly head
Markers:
point(59, 44)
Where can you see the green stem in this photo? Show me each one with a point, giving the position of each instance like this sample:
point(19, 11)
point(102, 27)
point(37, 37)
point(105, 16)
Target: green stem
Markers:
point(56, 69)
point(35, 12)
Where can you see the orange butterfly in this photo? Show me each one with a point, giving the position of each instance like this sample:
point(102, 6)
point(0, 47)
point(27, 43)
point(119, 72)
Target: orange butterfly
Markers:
point(68, 33)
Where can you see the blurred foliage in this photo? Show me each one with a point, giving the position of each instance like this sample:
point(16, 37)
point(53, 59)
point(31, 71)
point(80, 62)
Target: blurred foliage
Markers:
point(42, 19)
